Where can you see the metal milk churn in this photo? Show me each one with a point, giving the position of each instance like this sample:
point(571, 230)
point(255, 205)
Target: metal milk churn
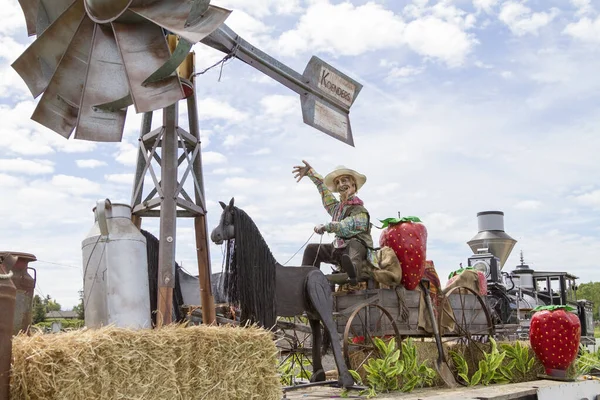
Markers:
point(8, 293)
point(18, 263)
point(115, 270)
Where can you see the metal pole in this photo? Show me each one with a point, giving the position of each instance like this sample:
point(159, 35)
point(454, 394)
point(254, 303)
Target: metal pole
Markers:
point(139, 169)
point(200, 226)
point(168, 217)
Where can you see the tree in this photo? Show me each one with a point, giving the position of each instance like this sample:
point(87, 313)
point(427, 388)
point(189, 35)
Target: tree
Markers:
point(590, 291)
point(80, 308)
point(51, 305)
point(39, 310)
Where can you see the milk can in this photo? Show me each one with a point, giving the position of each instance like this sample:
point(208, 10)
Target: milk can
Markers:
point(8, 294)
point(115, 270)
point(24, 282)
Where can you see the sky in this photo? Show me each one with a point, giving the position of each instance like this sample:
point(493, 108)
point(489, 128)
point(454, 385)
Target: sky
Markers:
point(467, 106)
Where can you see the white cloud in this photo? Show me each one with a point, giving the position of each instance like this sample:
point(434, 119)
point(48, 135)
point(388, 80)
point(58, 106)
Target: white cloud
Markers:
point(589, 199)
point(213, 157)
point(127, 153)
point(261, 152)
point(28, 167)
point(433, 37)
point(227, 171)
point(210, 108)
point(521, 20)
point(74, 185)
point(262, 8)
point(239, 183)
point(353, 30)
point(12, 17)
point(9, 48)
point(121, 179)
point(485, 5)
point(583, 6)
point(280, 105)
point(405, 72)
point(234, 140)
point(9, 181)
point(528, 205)
point(586, 30)
point(90, 163)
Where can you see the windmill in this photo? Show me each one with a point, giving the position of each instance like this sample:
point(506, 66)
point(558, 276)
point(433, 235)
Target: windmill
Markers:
point(92, 59)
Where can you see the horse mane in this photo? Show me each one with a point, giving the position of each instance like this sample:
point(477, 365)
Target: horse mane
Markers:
point(250, 273)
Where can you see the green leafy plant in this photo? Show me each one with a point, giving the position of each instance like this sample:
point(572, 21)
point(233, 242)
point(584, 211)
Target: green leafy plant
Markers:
point(294, 367)
point(491, 368)
point(394, 370)
point(383, 372)
point(587, 361)
point(414, 374)
point(522, 357)
point(462, 369)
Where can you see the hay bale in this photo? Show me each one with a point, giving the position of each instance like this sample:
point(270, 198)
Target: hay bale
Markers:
point(200, 362)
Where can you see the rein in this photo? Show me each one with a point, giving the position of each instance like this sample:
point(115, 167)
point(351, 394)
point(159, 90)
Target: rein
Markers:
point(301, 247)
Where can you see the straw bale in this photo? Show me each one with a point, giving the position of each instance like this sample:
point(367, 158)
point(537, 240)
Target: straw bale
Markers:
point(200, 362)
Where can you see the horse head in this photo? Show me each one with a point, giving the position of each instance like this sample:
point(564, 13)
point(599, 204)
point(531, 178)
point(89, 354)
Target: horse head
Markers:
point(225, 230)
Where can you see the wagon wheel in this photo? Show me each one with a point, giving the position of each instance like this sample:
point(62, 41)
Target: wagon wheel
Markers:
point(467, 311)
point(293, 340)
point(364, 324)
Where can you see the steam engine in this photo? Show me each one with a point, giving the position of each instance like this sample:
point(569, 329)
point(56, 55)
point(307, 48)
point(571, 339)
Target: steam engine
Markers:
point(512, 296)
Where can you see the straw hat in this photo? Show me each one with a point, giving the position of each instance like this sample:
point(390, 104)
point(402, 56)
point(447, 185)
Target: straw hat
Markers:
point(330, 178)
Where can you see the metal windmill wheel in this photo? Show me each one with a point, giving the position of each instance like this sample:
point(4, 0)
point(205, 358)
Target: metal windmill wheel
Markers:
point(94, 58)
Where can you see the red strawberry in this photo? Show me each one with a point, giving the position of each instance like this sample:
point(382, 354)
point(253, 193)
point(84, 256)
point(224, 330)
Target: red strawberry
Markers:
point(554, 336)
point(408, 238)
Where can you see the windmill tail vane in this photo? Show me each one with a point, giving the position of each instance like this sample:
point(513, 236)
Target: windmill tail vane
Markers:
point(93, 58)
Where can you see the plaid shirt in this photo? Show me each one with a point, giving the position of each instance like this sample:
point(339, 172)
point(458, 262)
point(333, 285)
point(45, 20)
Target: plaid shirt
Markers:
point(342, 228)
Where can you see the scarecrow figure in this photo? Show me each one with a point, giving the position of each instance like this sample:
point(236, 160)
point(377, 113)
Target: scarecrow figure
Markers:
point(350, 222)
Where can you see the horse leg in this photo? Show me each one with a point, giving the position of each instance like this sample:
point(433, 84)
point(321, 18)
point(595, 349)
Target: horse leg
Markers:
point(318, 372)
point(318, 293)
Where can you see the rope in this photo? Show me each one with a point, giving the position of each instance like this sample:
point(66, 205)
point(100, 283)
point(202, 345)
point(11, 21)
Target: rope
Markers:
point(6, 276)
point(222, 61)
point(301, 247)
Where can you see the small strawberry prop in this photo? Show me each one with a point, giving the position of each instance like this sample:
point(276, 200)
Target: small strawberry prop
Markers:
point(407, 236)
point(554, 335)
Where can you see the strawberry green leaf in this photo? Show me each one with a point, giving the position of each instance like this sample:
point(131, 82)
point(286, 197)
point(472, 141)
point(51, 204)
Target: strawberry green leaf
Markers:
point(392, 221)
point(553, 308)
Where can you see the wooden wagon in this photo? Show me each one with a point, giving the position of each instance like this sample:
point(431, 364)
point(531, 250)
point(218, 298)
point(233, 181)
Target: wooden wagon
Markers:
point(458, 315)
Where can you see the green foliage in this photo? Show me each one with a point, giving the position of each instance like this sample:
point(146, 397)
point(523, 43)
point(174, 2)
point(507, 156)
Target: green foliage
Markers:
point(79, 308)
point(39, 310)
point(590, 291)
point(294, 367)
point(491, 368)
point(587, 361)
point(520, 354)
point(394, 370)
point(51, 305)
point(66, 324)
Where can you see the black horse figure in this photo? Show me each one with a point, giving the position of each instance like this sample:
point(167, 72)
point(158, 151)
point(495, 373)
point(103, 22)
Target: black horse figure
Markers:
point(264, 289)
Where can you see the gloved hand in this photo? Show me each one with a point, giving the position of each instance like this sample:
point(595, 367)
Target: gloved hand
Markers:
point(320, 229)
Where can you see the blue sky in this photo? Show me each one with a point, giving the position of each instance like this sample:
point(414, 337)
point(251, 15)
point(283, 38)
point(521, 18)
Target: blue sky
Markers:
point(467, 105)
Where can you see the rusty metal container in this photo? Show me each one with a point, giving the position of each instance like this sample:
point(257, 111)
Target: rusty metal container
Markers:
point(18, 263)
point(8, 294)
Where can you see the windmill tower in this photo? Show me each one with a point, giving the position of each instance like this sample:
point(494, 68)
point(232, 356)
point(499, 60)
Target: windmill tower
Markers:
point(92, 59)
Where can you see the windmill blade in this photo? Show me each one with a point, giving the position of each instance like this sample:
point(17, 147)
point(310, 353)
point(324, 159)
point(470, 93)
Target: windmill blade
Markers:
point(38, 63)
point(30, 10)
point(144, 50)
point(48, 11)
point(105, 82)
point(59, 105)
point(173, 15)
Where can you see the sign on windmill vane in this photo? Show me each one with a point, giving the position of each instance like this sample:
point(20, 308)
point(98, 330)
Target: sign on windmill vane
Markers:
point(329, 112)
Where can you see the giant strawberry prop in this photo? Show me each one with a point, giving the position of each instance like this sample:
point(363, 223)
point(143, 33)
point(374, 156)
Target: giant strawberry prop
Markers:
point(554, 335)
point(407, 236)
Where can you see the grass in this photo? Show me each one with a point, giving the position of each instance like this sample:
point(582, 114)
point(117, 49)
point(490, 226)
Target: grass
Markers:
point(597, 332)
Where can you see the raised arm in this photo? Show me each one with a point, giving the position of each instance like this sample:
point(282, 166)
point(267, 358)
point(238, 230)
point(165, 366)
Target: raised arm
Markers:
point(328, 199)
